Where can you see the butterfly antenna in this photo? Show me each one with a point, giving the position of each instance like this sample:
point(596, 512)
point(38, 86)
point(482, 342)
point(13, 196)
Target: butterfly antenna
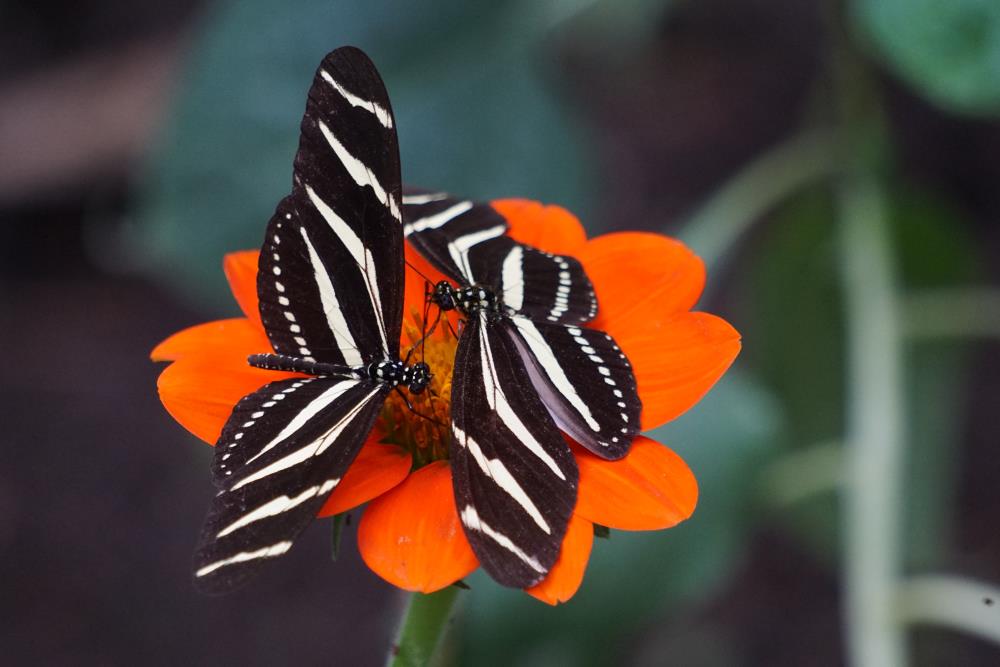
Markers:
point(419, 272)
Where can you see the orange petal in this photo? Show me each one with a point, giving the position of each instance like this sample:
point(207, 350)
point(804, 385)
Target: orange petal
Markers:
point(638, 275)
point(200, 390)
point(241, 272)
point(549, 228)
point(412, 537)
point(566, 575)
point(649, 489)
point(378, 468)
point(676, 361)
point(234, 337)
point(418, 273)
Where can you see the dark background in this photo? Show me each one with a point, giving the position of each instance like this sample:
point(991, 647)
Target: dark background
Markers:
point(138, 142)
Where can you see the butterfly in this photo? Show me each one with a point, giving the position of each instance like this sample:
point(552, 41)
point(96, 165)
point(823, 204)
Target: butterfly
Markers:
point(330, 288)
point(526, 367)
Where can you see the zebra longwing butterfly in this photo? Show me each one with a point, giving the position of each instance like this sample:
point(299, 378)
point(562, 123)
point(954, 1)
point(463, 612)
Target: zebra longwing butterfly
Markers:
point(330, 287)
point(525, 368)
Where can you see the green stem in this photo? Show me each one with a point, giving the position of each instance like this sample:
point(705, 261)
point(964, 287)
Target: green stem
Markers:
point(778, 173)
point(423, 625)
point(874, 446)
point(964, 604)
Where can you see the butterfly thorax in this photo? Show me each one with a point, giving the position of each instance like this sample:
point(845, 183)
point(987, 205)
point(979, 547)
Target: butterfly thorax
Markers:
point(393, 373)
point(469, 300)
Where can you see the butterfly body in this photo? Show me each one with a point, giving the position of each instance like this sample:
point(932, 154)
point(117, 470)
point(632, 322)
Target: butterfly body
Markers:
point(470, 300)
point(394, 373)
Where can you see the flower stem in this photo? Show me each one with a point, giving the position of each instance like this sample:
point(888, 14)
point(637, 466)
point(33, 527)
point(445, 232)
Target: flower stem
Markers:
point(875, 441)
point(423, 625)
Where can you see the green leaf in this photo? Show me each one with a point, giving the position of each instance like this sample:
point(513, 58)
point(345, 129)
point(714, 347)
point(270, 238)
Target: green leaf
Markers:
point(948, 50)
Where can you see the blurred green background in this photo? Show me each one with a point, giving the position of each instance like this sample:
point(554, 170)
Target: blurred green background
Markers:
point(835, 163)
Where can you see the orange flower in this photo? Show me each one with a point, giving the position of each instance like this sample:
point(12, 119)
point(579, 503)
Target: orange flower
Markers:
point(410, 533)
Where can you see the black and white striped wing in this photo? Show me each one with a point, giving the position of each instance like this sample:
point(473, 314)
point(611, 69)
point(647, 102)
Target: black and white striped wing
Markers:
point(280, 455)
point(446, 231)
point(537, 284)
point(466, 241)
point(330, 278)
point(515, 478)
point(585, 381)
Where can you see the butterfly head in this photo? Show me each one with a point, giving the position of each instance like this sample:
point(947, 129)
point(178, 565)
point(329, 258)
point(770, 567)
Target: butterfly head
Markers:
point(444, 296)
point(417, 377)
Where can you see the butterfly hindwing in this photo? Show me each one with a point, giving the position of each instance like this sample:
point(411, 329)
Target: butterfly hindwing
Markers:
point(280, 455)
point(331, 267)
point(584, 380)
point(540, 285)
point(515, 478)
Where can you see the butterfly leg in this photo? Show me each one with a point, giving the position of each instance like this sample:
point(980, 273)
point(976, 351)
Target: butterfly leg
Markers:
point(414, 410)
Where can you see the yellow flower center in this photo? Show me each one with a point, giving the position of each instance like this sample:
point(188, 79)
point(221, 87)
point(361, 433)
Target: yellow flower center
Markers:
point(424, 430)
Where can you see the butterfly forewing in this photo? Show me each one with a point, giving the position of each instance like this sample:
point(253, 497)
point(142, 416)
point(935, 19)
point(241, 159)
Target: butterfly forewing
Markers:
point(585, 381)
point(446, 230)
point(465, 241)
point(515, 478)
point(331, 268)
point(282, 452)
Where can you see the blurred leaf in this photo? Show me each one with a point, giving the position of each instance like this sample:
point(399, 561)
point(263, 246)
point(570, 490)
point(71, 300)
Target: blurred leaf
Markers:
point(638, 574)
point(611, 29)
point(473, 112)
point(948, 50)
